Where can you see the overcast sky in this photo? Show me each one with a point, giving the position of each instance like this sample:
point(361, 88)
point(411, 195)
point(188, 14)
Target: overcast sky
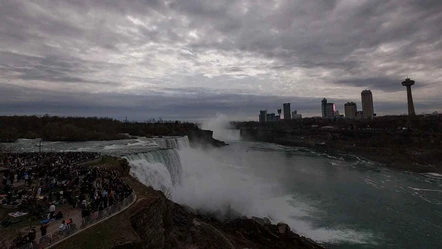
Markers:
point(190, 59)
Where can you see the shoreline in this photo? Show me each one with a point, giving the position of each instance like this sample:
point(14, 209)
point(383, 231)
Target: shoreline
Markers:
point(389, 150)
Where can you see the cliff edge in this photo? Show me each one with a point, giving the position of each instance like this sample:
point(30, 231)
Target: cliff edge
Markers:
point(162, 224)
point(203, 138)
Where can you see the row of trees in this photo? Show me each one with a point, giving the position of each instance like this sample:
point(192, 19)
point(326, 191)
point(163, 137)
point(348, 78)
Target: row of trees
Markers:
point(54, 128)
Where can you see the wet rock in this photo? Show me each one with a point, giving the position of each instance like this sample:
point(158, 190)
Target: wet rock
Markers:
point(283, 228)
point(162, 224)
point(261, 221)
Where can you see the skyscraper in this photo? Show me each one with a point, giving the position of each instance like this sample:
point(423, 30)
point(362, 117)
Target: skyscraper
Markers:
point(287, 112)
point(408, 83)
point(367, 104)
point(350, 109)
point(323, 107)
point(330, 110)
point(262, 116)
point(295, 115)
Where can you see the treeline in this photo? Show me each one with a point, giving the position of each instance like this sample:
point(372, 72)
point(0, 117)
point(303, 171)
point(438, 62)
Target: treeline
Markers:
point(54, 128)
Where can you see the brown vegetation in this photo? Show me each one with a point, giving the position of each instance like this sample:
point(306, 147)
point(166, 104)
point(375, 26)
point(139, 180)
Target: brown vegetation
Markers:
point(53, 128)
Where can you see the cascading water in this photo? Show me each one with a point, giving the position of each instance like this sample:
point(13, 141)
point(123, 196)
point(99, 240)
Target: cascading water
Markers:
point(160, 169)
point(172, 142)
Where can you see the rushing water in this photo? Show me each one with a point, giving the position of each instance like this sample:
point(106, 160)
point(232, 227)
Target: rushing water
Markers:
point(342, 202)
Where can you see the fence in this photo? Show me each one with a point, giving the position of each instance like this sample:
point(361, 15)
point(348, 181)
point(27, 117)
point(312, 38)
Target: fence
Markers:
point(79, 225)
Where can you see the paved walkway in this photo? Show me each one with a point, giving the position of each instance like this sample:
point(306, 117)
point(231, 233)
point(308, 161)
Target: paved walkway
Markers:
point(68, 213)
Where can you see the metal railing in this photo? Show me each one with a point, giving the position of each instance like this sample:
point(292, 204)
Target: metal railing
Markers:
point(79, 225)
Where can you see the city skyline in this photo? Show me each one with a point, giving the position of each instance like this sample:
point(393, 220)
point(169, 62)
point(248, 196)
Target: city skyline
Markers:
point(329, 110)
point(189, 60)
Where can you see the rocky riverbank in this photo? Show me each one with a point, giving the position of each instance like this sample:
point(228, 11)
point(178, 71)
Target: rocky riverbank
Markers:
point(411, 151)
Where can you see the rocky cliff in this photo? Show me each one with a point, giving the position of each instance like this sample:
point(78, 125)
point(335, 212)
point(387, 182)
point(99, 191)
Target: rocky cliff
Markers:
point(162, 224)
point(203, 138)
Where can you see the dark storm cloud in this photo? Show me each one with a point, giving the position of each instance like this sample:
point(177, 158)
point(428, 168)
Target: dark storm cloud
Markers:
point(50, 68)
point(19, 100)
point(323, 33)
point(189, 52)
point(385, 84)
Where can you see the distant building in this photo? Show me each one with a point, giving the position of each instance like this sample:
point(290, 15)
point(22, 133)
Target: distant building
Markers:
point(323, 107)
point(408, 83)
point(330, 110)
point(295, 115)
point(287, 114)
point(367, 104)
point(272, 117)
point(350, 110)
point(263, 116)
point(359, 114)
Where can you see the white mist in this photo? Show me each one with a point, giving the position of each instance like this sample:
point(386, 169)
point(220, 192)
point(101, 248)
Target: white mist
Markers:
point(222, 130)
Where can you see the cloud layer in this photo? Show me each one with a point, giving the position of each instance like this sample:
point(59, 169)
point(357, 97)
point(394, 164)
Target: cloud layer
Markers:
point(190, 59)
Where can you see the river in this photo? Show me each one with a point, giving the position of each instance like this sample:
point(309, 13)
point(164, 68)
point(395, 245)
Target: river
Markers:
point(340, 201)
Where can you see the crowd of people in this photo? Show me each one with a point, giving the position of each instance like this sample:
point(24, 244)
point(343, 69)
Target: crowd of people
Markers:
point(52, 180)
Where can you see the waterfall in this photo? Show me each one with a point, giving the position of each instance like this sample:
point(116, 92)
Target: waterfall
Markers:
point(172, 142)
point(160, 169)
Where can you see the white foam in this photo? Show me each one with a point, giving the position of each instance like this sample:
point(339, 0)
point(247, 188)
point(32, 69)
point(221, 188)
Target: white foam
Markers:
point(222, 130)
point(426, 190)
point(211, 184)
point(434, 174)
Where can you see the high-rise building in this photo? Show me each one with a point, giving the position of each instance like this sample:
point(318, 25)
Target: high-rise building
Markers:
point(408, 83)
point(295, 115)
point(350, 110)
point(367, 104)
point(287, 112)
point(323, 107)
point(271, 117)
point(262, 116)
point(330, 110)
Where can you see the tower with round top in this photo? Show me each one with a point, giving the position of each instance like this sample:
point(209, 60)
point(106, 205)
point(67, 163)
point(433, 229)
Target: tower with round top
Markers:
point(408, 83)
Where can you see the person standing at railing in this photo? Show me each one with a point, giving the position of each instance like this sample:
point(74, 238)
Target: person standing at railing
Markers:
point(63, 227)
point(52, 210)
point(111, 197)
point(32, 234)
point(43, 229)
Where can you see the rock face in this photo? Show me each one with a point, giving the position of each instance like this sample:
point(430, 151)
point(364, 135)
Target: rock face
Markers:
point(204, 138)
point(162, 224)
